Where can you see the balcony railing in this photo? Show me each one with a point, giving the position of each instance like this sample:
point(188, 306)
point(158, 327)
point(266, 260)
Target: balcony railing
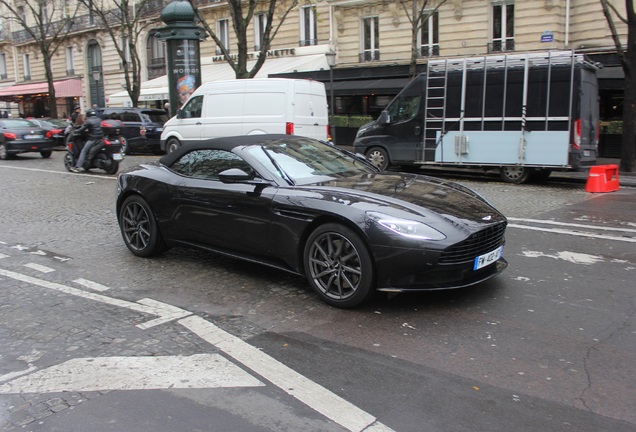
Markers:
point(308, 42)
point(369, 55)
point(501, 46)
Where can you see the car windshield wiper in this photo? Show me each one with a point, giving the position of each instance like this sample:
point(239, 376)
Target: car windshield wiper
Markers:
point(281, 172)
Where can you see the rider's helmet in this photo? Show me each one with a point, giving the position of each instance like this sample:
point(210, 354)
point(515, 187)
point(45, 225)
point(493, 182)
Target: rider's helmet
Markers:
point(91, 113)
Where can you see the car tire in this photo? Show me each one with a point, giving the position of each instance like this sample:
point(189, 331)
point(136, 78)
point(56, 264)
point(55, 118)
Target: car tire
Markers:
point(69, 161)
point(4, 154)
point(139, 228)
point(46, 154)
point(514, 174)
point(378, 157)
point(172, 145)
point(338, 266)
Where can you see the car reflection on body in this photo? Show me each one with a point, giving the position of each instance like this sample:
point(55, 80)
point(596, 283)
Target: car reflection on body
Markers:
point(310, 208)
point(23, 136)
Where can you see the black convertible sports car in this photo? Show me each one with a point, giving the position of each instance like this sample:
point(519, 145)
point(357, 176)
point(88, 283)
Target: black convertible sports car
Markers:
point(310, 208)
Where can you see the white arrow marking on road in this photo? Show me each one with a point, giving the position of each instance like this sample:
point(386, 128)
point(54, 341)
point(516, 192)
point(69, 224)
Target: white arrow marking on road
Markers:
point(134, 373)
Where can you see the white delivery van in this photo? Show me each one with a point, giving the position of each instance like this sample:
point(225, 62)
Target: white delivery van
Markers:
point(248, 107)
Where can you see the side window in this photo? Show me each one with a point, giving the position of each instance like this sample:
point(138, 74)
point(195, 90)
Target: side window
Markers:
point(207, 164)
point(129, 116)
point(193, 108)
point(404, 108)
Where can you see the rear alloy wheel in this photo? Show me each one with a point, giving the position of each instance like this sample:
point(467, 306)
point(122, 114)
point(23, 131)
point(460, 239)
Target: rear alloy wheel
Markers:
point(172, 145)
point(378, 157)
point(514, 174)
point(338, 266)
point(124, 145)
point(139, 228)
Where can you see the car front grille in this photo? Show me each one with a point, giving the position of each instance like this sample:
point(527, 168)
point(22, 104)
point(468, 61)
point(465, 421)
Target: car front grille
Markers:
point(477, 244)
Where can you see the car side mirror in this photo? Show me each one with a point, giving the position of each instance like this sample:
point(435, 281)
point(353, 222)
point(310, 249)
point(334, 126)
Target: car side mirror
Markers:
point(180, 113)
point(384, 118)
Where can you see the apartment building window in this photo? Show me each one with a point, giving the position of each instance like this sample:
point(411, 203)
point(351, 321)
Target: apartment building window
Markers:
point(308, 26)
point(370, 39)
point(260, 22)
point(503, 26)
point(156, 55)
point(70, 61)
point(429, 35)
point(3, 66)
point(26, 64)
point(223, 33)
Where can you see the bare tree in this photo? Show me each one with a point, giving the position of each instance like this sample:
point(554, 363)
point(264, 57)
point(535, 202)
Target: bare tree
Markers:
point(628, 62)
point(418, 16)
point(47, 24)
point(242, 13)
point(125, 21)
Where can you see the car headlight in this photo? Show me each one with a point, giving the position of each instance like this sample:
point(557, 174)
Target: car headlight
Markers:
point(407, 228)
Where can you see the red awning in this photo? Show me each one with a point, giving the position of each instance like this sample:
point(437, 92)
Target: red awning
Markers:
point(63, 88)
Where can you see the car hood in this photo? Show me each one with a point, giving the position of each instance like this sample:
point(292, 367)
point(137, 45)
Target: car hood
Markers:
point(401, 194)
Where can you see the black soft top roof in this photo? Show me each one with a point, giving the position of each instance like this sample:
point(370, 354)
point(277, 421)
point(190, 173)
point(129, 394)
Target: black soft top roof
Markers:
point(225, 143)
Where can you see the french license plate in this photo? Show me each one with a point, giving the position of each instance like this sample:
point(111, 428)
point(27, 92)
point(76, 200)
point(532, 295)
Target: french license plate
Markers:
point(117, 156)
point(487, 258)
point(32, 136)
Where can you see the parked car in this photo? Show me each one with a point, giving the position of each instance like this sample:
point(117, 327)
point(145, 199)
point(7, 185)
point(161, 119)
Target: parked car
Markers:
point(307, 207)
point(23, 136)
point(54, 129)
point(141, 127)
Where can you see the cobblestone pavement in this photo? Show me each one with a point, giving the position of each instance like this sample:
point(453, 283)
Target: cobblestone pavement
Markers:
point(40, 327)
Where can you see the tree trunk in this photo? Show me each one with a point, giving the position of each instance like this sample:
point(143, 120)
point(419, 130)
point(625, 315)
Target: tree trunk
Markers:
point(51, 82)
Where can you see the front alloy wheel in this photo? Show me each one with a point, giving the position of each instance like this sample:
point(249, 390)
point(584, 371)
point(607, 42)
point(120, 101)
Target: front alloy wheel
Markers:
point(338, 266)
point(139, 228)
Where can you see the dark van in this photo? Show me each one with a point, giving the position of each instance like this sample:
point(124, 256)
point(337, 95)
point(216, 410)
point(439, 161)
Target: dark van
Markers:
point(141, 127)
point(525, 115)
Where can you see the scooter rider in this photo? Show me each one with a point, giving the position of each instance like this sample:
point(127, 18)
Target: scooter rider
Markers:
point(93, 127)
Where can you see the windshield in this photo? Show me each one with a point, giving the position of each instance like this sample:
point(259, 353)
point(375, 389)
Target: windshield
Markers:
point(302, 161)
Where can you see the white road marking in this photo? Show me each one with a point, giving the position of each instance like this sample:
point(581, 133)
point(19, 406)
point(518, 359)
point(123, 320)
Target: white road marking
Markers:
point(13, 375)
point(574, 233)
point(314, 395)
point(163, 312)
point(567, 224)
point(60, 172)
point(39, 268)
point(90, 284)
point(134, 373)
point(573, 257)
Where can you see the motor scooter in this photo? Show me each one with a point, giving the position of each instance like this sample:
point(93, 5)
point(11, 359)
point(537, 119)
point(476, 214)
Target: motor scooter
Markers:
point(106, 157)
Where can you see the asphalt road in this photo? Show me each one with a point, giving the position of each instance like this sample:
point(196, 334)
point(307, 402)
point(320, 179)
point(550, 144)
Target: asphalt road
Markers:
point(94, 339)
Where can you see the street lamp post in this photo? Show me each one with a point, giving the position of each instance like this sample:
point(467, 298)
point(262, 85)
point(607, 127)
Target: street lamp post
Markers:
point(331, 61)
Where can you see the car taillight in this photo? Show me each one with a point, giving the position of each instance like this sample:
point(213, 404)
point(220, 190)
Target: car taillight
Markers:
point(142, 130)
point(106, 142)
point(10, 135)
point(576, 142)
point(289, 128)
point(70, 145)
point(49, 134)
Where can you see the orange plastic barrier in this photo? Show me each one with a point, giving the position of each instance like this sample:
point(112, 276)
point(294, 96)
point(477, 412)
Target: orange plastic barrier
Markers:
point(602, 178)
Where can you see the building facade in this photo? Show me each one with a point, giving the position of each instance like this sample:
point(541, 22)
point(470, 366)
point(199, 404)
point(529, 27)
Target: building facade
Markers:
point(372, 40)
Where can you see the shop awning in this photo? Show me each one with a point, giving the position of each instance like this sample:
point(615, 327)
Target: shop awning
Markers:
point(63, 88)
point(157, 89)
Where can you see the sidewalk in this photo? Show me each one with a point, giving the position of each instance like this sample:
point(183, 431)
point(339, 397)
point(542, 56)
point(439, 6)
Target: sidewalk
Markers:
point(624, 178)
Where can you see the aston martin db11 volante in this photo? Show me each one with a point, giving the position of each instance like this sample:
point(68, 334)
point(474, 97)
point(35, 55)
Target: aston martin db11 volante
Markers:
point(310, 208)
